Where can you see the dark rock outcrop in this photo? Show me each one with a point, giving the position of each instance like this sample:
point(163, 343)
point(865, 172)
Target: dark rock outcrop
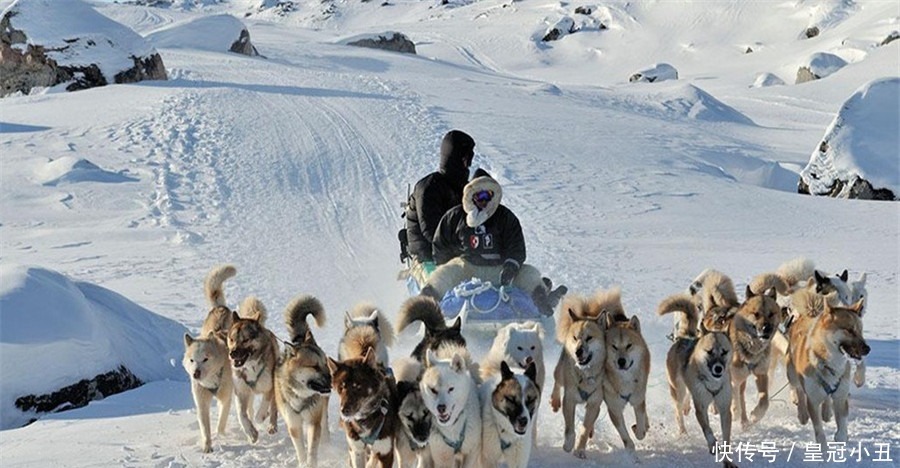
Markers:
point(392, 41)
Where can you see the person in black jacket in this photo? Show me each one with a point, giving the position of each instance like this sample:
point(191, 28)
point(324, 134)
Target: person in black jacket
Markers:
point(432, 196)
point(482, 238)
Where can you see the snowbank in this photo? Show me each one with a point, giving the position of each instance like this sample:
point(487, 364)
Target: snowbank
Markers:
point(56, 332)
point(217, 33)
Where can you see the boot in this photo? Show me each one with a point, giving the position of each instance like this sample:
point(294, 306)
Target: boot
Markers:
point(539, 296)
point(556, 295)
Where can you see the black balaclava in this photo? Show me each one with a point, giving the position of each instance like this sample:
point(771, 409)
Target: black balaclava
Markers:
point(455, 148)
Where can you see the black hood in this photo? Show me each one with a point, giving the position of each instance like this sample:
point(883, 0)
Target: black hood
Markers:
point(455, 148)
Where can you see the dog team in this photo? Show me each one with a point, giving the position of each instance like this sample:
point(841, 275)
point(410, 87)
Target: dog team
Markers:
point(440, 408)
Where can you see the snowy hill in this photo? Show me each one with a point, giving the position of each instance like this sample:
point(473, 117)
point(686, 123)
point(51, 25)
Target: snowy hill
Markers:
point(293, 167)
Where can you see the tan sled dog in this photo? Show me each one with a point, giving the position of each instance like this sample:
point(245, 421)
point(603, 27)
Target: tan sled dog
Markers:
point(363, 319)
point(579, 371)
point(206, 357)
point(303, 381)
point(254, 351)
point(818, 364)
point(626, 371)
point(698, 365)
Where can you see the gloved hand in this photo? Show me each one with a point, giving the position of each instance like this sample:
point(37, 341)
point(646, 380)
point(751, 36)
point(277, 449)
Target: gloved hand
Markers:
point(508, 272)
point(428, 268)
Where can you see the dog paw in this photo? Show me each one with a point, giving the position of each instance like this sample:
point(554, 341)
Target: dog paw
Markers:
point(272, 429)
point(253, 436)
point(580, 453)
point(859, 379)
point(569, 443)
point(757, 414)
point(711, 444)
point(639, 432)
point(555, 403)
point(206, 448)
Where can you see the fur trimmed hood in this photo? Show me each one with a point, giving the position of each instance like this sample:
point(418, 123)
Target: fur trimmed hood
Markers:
point(474, 216)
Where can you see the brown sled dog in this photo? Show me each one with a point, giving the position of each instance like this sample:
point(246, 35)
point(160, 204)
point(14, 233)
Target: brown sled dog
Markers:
point(368, 401)
point(303, 381)
point(253, 350)
point(821, 348)
point(698, 366)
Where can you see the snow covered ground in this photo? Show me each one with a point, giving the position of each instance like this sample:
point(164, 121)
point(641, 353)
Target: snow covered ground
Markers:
point(293, 167)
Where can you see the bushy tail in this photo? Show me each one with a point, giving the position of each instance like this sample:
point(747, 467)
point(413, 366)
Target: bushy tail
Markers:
point(252, 308)
point(573, 309)
point(765, 281)
point(365, 310)
point(718, 290)
point(681, 303)
point(421, 308)
point(796, 271)
point(407, 370)
point(610, 301)
point(215, 295)
point(296, 312)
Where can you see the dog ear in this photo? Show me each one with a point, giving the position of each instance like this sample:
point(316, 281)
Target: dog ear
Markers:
point(749, 292)
point(430, 357)
point(531, 373)
point(373, 320)
point(844, 275)
point(862, 279)
point(188, 340)
point(772, 293)
point(333, 365)
point(234, 317)
point(610, 320)
point(289, 349)
point(458, 364)
point(211, 335)
point(348, 321)
point(572, 315)
point(635, 323)
point(457, 324)
point(505, 372)
point(858, 306)
point(309, 338)
point(369, 357)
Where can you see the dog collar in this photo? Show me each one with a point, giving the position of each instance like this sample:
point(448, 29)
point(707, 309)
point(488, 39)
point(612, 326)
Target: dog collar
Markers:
point(715, 392)
point(413, 442)
point(626, 397)
point(305, 404)
point(375, 433)
point(504, 445)
point(258, 375)
point(456, 446)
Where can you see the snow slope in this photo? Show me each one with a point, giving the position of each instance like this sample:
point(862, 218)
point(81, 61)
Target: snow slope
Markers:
point(293, 168)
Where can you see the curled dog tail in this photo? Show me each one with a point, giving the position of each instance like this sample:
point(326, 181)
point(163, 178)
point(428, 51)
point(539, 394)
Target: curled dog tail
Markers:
point(407, 370)
point(365, 313)
point(297, 311)
point(796, 271)
point(421, 308)
point(766, 281)
point(681, 303)
point(718, 291)
point(215, 294)
point(252, 308)
point(610, 301)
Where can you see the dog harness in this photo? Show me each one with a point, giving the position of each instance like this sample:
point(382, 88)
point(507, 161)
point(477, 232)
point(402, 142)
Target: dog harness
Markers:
point(829, 390)
point(584, 394)
point(375, 433)
point(305, 404)
point(504, 445)
point(626, 397)
point(456, 446)
point(258, 375)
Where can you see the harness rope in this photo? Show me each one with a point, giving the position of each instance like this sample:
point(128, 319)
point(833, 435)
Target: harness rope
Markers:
point(470, 294)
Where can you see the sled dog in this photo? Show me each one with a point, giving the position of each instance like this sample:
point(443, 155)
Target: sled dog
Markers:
point(253, 350)
point(450, 394)
point(626, 371)
point(428, 311)
point(303, 381)
point(415, 419)
point(206, 358)
point(715, 298)
point(751, 332)
point(698, 365)
point(368, 403)
point(508, 405)
point(363, 319)
point(579, 371)
point(819, 360)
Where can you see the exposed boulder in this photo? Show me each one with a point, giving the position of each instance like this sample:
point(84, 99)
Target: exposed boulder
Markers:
point(857, 157)
point(818, 66)
point(811, 32)
point(652, 74)
point(390, 40)
point(45, 43)
point(217, 33)
point(563, 27)
point(584, 10)
point(893, 36)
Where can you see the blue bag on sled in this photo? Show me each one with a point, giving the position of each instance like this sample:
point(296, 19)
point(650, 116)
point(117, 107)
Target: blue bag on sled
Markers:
point(479, 302)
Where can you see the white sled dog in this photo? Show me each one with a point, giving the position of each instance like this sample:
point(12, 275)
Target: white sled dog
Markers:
point(303, 381)
point(819, 359)
point(365, 317)
point(579, 371)
point(253, 350)
point(508, 405)
point(626, 370)
point(450, 393)
point(415, 419)
point(206, 358)
point(698, 365)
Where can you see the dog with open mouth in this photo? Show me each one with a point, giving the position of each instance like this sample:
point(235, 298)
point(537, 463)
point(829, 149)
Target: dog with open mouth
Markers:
point(579, 371)
point(822, 347)
point(253, 350)
point(303, 381)
point(698, 367)
point(509, 405)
